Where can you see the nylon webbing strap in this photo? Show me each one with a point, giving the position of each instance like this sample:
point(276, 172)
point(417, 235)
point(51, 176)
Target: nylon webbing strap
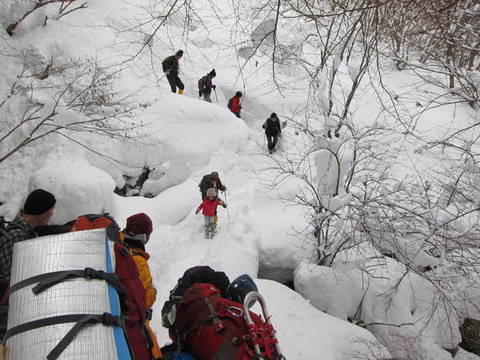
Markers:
point(80, 321)
point(105, 319)
point(47, 280)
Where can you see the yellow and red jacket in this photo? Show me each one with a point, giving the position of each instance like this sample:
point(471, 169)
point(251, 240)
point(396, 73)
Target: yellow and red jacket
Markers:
point(141, 260)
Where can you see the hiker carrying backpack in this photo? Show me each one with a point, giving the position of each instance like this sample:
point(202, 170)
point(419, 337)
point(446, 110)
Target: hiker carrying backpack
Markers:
point(211, 326)
point(170, 68)
point(140, 338)
point(205, 85)
point(37, 210)
point(234, 104)
point(201, 273)
point(273, 130)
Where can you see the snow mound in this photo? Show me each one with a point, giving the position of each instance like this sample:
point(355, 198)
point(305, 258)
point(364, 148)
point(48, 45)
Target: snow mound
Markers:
point(317, 335)
point(78, 187)
point(392, 302)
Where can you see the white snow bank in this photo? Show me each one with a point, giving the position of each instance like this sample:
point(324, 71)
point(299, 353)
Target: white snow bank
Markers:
point(334, 292)
point(391, 302)
point(308, 334)
point(78, 187)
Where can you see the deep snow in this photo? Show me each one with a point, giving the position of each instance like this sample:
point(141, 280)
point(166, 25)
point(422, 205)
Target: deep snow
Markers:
point(182, 138)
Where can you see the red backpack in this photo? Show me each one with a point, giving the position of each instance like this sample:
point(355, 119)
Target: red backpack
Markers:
point(212, 327)
point(98, 221)
point(133, 300)
point(133, 304)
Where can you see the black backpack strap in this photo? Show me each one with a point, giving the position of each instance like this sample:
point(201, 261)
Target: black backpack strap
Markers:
point(80, 320)
point(47, 280)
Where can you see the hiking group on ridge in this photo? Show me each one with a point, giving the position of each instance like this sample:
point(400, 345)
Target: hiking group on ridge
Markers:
point(170, 65)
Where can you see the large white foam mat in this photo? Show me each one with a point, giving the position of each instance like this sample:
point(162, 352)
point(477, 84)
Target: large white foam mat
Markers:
point(71, 251)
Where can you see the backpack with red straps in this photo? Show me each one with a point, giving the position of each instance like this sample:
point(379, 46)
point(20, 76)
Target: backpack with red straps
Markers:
point(133, 300)
point(212, 327)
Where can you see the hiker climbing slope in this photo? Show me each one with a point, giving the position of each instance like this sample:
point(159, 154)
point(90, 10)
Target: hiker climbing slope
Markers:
point(205, 86)
point(211, 180)
point(209, 211)
point(170, 68)
point(273, 130)
point(234, 104)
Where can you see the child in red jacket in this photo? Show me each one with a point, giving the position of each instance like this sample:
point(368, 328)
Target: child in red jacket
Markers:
point(209, 207)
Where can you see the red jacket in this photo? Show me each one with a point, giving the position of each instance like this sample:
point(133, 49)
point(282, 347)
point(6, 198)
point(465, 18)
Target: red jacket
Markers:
point(236, 107)
point(209, 206)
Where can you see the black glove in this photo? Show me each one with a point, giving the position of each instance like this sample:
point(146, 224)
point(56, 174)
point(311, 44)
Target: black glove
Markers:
point(224, 206)
point(214, 86)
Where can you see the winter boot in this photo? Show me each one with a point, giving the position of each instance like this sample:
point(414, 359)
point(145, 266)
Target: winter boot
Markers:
point(212, 230)
point(180, 91)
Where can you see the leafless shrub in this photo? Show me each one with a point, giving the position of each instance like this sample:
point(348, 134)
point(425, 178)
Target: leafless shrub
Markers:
point(66, 7)
point(47, 98)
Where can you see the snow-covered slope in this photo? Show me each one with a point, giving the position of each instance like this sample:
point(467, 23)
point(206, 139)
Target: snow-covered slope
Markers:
point(181, 138)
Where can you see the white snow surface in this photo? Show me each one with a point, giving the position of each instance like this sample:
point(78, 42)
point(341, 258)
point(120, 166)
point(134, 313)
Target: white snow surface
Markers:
point(182, 138)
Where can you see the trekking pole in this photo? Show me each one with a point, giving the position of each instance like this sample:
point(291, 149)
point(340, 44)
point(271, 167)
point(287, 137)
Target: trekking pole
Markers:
point(216, 97)
point(226, 201)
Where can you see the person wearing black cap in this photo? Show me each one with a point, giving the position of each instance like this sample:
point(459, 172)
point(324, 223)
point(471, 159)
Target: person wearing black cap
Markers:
point(170, 68)
point(37, 210)
point(205, 85)
point(273, 130)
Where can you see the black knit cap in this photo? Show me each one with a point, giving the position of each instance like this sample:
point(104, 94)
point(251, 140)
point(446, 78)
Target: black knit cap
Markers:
point(179, 53)
point(38, 202)
point(212, 73)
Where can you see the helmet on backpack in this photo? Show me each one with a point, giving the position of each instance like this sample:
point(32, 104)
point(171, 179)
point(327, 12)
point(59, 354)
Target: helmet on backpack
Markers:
point(240, 287)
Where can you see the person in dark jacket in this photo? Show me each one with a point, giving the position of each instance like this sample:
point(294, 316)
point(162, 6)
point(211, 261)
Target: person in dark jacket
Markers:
point(210, 181)
point(272, 130)
point(234, 104)
point(207, 86)
point(37, 211)
point(170, 68)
